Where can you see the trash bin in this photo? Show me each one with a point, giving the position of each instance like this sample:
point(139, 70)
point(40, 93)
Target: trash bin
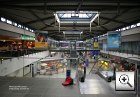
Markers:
point(68, 73)
point(109, 79)
point(81, 76)
point(82, 79)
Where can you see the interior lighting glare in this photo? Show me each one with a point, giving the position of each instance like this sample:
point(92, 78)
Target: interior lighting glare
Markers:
point(123, 29)
point(26, 28)
point(138, 24)
point(9, 22)
point(32, 30)
point(106, 63)
point(19, 26)
point(22, 27)
point(128, 27)
point(15, 24)
point(3, 19)
point(102, 61)
point(133, 26)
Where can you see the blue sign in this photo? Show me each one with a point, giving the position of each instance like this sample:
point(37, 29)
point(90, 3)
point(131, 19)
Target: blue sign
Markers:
point(94, 52)
point(113, 40)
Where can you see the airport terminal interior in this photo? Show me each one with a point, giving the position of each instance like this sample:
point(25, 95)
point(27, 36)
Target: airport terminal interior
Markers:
point(69, 48)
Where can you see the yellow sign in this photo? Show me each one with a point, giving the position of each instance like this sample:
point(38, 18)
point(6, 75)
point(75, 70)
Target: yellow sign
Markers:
point(96, 45)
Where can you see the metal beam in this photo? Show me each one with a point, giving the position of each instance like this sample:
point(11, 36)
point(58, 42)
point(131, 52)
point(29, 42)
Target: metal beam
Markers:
point(106, 29)
point(43, 28)
point(85, 26)
point(77, 25)
point(87, 30)
point(118, 15)
point(72, 7)
point(63, 1)
point(37, 20)
point(55, 33)
point(35, 15)
point(136, 21)
point(52, 23)
point(9, 15)
point(117, 21)
point(45, 7)
point(47, 26)
point(79, 5)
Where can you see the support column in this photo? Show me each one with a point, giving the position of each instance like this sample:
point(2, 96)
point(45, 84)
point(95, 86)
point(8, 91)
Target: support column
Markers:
point(59, 27)
point(90, 27)
point(98, 20)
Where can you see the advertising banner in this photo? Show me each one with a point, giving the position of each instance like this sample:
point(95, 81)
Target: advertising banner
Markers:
point(41, 40)
point(41, 45)
point(113, 40)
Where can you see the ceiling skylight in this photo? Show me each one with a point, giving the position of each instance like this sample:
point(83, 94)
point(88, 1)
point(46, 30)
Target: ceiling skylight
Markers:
point(67, 15)
point(76, 17)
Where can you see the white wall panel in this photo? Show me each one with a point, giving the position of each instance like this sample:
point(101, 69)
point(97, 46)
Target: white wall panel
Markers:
point(12, 28)
point(11, 65)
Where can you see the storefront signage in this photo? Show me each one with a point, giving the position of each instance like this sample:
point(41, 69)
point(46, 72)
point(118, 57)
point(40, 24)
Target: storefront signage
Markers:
point(25, 37)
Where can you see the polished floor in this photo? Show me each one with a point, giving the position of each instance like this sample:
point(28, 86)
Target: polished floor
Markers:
point(36, 87)
point(50, 86)
point(94, 86)
point(98, 87)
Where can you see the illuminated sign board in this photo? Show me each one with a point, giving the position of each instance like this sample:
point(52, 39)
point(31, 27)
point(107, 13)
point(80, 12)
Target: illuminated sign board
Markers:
point(25, 37)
